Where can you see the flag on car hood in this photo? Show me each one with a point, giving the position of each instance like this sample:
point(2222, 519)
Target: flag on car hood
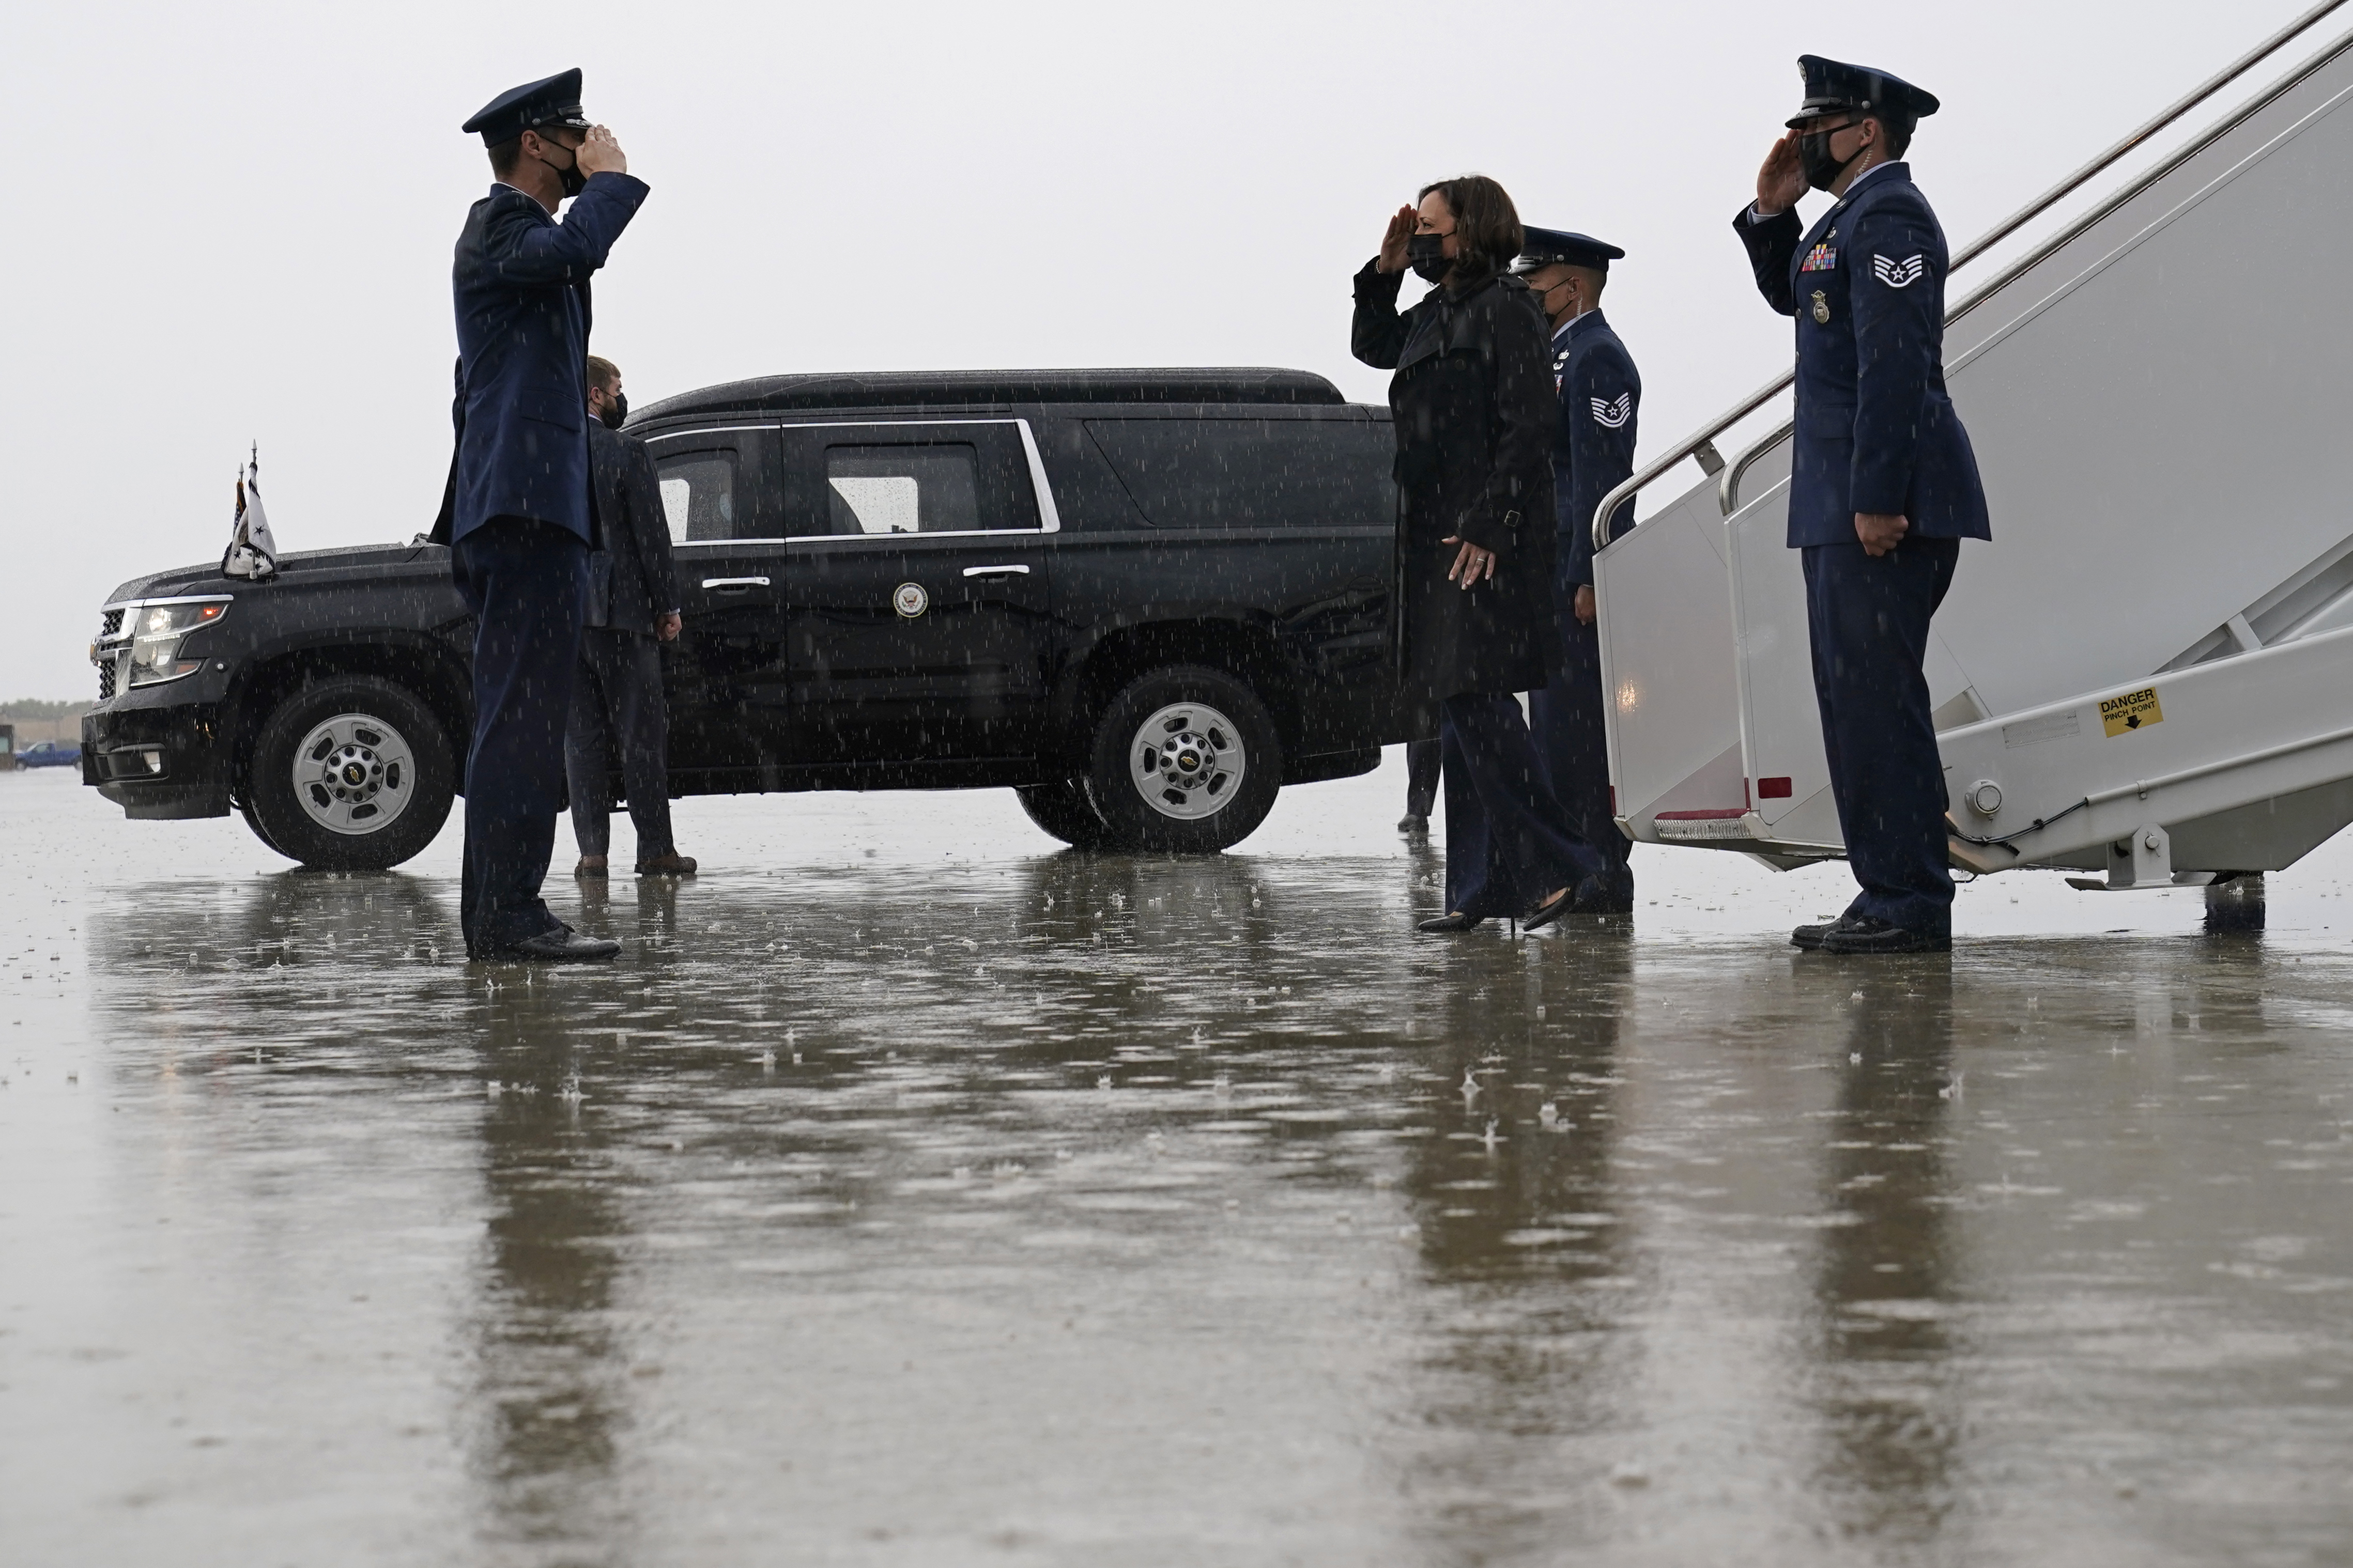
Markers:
point(252, 553)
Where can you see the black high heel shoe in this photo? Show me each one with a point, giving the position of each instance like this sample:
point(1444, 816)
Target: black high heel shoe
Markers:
point(1543, 914)
point(1448, 924)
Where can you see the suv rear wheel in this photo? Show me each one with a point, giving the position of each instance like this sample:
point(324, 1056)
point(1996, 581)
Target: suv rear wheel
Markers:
point(1186, 761)
point(1062, 809)
point(350, 773)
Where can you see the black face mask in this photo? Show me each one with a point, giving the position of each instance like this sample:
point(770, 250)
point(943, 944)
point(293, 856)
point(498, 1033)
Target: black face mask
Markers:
point(617, 408)
point(575, 182)
point(1425, 254)
point(1814, 156)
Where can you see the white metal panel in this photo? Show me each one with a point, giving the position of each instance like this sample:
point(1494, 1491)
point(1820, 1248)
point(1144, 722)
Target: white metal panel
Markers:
point(2231, 733)
point(2156, 439)
point(1666, 655)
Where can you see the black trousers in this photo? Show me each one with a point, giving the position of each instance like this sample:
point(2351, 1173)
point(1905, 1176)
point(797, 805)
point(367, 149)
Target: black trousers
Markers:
point(617, 705)
point(525, 581)
point(1869, 622)
point(1506, 847)
point(1566, 719)
point(1423, 759)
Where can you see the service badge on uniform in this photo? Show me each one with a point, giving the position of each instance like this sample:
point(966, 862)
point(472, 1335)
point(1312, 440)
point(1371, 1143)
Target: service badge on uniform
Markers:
point(1899, 274)
point(1822, 309)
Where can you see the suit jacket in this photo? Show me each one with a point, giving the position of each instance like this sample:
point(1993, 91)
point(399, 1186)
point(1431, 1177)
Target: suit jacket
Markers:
point(520, 285)
point(1876, 431)
point(1600, 405)
point(632, 564)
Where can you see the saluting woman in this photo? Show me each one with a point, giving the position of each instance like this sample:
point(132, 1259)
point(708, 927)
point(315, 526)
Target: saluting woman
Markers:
point(1475, 410)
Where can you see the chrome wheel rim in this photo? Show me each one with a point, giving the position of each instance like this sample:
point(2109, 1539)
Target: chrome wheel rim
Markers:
point(354, 774)
point(1188, 761)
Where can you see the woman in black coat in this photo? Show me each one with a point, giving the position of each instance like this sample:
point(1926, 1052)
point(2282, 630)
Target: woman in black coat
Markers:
point(1475, 409)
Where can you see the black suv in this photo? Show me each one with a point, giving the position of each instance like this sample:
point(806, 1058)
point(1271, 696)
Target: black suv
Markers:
point(1145, 600)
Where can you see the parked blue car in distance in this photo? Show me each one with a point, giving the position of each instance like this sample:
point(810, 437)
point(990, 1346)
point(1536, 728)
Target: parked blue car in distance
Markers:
point(50, 755)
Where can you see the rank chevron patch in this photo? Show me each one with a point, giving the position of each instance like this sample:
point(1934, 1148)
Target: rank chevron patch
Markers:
point(1611, 415)
point(1898, 274)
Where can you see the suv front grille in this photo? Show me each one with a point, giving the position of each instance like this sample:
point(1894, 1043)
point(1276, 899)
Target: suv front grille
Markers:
point(110, 623)
point(106, 680)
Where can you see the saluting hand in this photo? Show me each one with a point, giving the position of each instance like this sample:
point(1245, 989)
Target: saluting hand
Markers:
point(600, 154)
point(1881, 532)
point(1393, 243)
point(1782, 180)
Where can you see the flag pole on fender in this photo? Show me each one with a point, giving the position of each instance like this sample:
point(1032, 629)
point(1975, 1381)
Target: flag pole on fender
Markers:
point(252, 551)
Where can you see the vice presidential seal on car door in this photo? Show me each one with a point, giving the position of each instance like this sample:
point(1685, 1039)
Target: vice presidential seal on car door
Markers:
point(910, 600)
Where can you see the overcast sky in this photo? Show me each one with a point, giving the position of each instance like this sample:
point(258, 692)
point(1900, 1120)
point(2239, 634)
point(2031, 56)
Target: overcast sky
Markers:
point(234, 222)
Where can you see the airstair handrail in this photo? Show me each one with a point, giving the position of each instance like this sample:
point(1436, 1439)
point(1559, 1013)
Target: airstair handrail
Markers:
point(1703, 445)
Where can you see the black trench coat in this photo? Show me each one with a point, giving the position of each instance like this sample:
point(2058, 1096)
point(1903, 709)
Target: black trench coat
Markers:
point(1476, 413)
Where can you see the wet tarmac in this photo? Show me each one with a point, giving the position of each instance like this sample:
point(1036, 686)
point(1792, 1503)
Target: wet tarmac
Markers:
point(913, 1194)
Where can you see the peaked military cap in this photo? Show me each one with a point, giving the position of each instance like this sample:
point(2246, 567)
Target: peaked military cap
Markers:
point(555, 100)
point(1833, 86)
point(1545, 247)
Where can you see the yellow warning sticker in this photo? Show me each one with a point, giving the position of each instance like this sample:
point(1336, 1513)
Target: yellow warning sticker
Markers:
point(2132, 711)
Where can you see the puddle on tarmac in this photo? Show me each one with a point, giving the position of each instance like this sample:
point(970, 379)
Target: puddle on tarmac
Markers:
point(951, 1205)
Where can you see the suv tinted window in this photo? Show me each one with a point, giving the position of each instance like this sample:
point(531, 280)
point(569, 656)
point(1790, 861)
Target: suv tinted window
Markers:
point(698, 492)
point(1252, 473)
point(903, 489)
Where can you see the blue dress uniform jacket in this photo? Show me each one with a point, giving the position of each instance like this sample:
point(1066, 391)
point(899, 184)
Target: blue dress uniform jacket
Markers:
point(521, 283)
point(1876, 431)
point(1600, 405)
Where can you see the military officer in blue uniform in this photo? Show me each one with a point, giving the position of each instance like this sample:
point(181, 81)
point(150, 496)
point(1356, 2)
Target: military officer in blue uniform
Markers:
point(1883, 485)
point(1593, 453)
point(518, 512)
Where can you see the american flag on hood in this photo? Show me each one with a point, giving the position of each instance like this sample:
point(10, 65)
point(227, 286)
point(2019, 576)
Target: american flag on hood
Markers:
point(252, 553)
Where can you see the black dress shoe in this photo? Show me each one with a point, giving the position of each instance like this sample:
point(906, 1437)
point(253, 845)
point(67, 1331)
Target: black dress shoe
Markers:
point(1413, 822)
point(562, 945)
point(1543, 914)
point(1808, 937)
point(1444, 925)
point(1867, 935)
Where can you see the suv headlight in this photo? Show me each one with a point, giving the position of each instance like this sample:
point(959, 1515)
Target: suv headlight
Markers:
point(156, 631)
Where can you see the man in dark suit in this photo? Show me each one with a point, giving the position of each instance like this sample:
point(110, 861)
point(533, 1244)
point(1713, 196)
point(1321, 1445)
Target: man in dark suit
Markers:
point(617, 691)
point(518, 510)
point(1600, 407)
point(1883, 486)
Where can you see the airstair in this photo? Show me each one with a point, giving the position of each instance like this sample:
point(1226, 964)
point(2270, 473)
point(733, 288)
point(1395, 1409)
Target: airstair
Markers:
point(2148, 674)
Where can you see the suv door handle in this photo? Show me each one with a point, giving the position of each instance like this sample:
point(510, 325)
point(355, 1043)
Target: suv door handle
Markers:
point(734, 584)
point(996, 571)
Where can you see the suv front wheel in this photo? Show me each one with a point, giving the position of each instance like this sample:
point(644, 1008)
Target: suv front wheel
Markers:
point(1186, 761)
point(350, 773)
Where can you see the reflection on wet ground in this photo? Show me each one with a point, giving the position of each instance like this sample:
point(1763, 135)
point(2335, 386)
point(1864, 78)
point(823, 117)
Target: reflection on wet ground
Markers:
point(946, 1205)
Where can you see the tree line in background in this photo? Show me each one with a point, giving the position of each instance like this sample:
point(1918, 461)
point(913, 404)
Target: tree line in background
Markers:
point(26, 709)
point(34, 720)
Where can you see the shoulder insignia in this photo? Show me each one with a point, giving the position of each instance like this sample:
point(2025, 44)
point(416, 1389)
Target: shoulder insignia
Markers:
point(1899, 274)
point(1613, 415)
